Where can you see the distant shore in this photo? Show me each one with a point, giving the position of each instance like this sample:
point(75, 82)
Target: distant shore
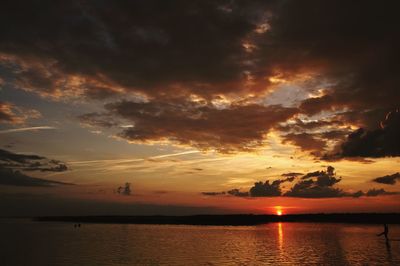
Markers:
point(235, 219)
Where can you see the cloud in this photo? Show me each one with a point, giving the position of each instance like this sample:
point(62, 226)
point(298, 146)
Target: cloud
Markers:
point(314, 137)
point(217, 51)
point(317, 184)
point(195, 123)
point(125, 190)
point(320, 187)
point(388, 179)
point(213, 193)
point(98, 120)
point(265, 189)
point(377, 192)
point(357, 145)
point(306, 142)
point(268, 189)
point(237, 193)
point(381, 142)
point(368, 77)
point(30, 162)
point(299, 125)
point(370, 193)
point(11, 177)
point(259, 189)
point(6, 114)
point(11, 114)
point(93, 53)
point(23, 129)
point(11, 165)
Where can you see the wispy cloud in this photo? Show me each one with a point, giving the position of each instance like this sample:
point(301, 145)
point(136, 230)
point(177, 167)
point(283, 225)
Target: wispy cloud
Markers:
point(174, 154)
point(116, 161)
point(13, 130)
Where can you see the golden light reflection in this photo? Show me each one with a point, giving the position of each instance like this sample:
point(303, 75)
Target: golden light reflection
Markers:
point(280, 235)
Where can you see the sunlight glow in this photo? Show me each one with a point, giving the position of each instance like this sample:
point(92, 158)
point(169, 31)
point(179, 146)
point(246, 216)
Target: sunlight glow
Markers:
point(278, 210)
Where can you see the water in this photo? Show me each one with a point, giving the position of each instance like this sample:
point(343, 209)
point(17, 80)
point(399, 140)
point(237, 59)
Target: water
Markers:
point(34, 243)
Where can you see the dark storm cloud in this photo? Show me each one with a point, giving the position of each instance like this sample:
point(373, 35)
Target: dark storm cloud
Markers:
point(380, 142)
point(146, 46)
point(388, 179)
point(161, 48)
point(30, 162)
point(153, 45)
point(10, 177)
point(353, 44)
point(199, 124)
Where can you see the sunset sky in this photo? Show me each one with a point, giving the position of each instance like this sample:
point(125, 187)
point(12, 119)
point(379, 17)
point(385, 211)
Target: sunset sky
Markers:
point(201, 106)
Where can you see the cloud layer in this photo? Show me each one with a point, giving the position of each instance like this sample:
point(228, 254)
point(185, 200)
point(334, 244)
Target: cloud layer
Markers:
point(11, 177)
point(318, 184)
point(30, 162)
point(201, 73)
point(199, 124)
point(12, 165)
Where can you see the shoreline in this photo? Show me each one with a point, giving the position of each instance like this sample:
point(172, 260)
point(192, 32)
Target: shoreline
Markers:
point(230, 220)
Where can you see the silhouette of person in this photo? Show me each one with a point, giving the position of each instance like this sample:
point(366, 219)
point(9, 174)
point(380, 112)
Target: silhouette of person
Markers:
point(385, 232)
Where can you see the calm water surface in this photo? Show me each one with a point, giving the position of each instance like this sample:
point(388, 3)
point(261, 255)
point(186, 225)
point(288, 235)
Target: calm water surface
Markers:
point(34, 243)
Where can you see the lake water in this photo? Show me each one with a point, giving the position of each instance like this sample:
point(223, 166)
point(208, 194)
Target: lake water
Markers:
point(35, 243)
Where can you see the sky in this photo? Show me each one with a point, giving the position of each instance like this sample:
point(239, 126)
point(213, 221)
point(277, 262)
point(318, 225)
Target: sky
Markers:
point(193, 107)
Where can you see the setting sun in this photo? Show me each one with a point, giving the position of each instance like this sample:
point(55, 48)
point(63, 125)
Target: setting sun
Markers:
point(278, 210)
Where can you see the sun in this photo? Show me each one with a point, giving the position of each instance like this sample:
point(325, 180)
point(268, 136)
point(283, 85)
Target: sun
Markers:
point(278, 210)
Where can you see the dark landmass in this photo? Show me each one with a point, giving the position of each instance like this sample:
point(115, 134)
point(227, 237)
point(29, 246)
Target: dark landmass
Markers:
point(237, 219)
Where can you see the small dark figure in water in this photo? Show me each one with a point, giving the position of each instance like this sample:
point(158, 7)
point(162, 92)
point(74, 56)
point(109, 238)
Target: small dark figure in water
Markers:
point(385, 232)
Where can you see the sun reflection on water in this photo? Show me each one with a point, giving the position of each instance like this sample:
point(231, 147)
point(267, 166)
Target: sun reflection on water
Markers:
point(280, 236)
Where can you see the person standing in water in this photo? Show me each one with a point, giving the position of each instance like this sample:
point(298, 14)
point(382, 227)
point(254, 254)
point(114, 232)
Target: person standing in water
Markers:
point(385, 232)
